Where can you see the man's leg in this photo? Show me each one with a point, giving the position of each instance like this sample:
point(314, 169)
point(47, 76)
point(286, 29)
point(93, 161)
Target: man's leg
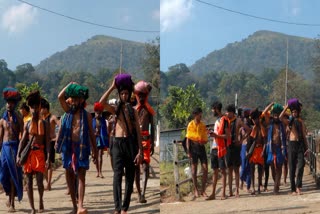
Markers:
point(194, 178)
point(204, 178)
point(260, 172)
point(130, 173)
point(292, 158)
point(278, 177)
point(300, 169)
point(11, 197)
point(237, 178)
point(39, 177)
point(214, 184)
point(285, 170)
point(252, 166)
point(30, 191)
point(71, 180)
point(117, 165)
point(230, 178)
point(49, 178)
point(224, 184)
point(137, 181)
point(145, 177)
point(100, 155)
point(81, 189)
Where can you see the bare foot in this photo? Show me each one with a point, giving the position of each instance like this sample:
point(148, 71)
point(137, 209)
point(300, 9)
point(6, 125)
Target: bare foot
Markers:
point(116, 212)
point(253, 193)
point(11, 210)
point(223, 197)
point(67, 193)
point(98, 176)
point(204, 194)
point(299, 192)
point(8, 203)
point(102, 176)
point(249, 191)
point(142, 200)
point(33, 212)
point(82, 211)
point(196, 193)
point(211, 197)
point(48, 188)
point(231, 194)
point(124, 212)
point(265, 190)
point(292, 193)
point(237, 195)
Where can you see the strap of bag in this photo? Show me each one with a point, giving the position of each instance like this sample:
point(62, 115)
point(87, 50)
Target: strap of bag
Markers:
point(125, 120)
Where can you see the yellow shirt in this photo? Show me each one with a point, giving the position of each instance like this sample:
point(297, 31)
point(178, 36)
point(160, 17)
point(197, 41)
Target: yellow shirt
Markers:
point(27, 118)
point(197, 132)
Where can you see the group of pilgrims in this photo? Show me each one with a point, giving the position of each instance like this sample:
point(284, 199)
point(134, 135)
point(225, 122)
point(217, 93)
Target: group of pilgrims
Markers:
point(245, 141)
point(29, 142)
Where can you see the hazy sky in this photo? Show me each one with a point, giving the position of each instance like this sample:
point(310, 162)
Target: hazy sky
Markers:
point(29, 34)
point(191, 29)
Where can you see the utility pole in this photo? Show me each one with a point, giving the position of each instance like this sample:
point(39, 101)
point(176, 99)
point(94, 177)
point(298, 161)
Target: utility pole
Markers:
point(236, 103)
point(120, 58)
point(286, 84)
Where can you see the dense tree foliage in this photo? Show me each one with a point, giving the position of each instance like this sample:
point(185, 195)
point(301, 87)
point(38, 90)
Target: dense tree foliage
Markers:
point(253, 90)
point(179, 104)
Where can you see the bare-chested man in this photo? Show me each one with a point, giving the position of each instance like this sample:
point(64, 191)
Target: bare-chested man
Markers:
point(126, 151)
point(276, 144)
point(146, 113)
point(101, 133)
point(53, 121)
point(234, 150)
point(297, 146)
point(11, 127)
point(37, 132)
point(76, 140)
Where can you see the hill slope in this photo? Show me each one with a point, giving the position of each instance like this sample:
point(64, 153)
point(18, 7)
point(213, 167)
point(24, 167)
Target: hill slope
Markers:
point(263, 49)
point(94, 54)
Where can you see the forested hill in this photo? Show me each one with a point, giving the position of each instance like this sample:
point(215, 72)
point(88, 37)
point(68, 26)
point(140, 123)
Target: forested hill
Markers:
point(262, 50)
point(96, 53)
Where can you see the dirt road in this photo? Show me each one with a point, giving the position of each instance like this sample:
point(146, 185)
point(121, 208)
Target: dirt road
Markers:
point(309, 202)
point(98, 196)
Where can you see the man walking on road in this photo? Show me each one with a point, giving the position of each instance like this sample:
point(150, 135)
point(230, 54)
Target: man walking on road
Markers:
point(11, 127)
point(125, 147)
point(76, 140)
point(297, 146)
point(221, 135)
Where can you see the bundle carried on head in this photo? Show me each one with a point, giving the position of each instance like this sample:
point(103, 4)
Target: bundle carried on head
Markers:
point(34, 98)
point(124, 82)
point(98, 107)
point(75, 90)
point(294, 104)
point(142, 87)
point(276, 108)
point(11, 94)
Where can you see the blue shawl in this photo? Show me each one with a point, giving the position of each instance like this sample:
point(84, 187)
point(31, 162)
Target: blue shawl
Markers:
point(103, 141)
point(280, 156)
point(64, 139)
point(8, 166)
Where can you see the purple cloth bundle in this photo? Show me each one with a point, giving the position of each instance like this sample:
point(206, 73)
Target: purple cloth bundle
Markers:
point(124, 81)
point(294, 104)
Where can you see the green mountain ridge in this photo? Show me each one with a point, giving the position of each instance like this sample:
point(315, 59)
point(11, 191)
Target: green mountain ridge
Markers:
point(96, 53)
point(259, 51)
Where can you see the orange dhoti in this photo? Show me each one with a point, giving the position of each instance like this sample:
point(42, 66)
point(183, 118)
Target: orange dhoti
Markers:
point(146, 144)
point(257, 156)
point(36, 162)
